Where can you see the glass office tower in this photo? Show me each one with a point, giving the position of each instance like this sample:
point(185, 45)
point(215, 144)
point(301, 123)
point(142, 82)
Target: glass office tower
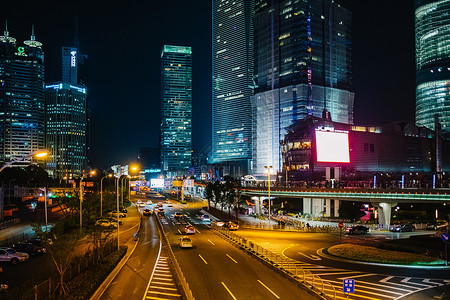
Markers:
point(21, 99)
point(66, 129)
point(232, 50)
point(432, 63)
point(176, 109)
point(302, 67)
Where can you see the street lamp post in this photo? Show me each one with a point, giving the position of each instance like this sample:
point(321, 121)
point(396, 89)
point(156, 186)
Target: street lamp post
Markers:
point(81, 200)
point(117, 193)
point(101, 194)
point(38, 153)
point(268, 169)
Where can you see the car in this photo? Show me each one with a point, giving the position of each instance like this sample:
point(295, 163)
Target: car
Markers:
point(218, 223)
point(160, 204)
point(185, 242)
point(123, 209)
point(108, 222)
point(189, 229)
point(178, 215)
point(29, 249)
point(170, 204)
point(231, 225)
point(436, 225)
point(149, 202)
point(357, 229)
point(402, 227)
point(142, 204)
point(206, 218)
point(113, 214)
point(12, 256)
point(161, 212)
point(147, 212)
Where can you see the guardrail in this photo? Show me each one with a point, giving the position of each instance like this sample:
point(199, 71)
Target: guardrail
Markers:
point(173, 261)
point(286, 265)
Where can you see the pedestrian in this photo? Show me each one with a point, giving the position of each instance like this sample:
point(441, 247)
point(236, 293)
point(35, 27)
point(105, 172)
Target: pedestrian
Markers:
point(307, 226)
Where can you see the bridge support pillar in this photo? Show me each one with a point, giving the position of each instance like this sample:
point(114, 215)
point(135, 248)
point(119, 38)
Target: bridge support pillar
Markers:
point(384, 215)
point(258, 204)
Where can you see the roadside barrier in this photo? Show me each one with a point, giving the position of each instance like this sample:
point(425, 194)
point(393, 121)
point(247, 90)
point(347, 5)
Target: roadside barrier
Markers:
point(286, 265)
point(173, 263)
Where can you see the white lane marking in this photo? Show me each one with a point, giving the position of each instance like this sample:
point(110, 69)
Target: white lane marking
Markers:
point(337, 273)
point(355, 276)
point(359, 285)
point(268, 289)
point(203, 259)
point(311, 256)
point(154, 268)
point(231, 258)
point(428, 280)
point(386, 279)
point(229, 291)
point(179, 231)
point(406, 280)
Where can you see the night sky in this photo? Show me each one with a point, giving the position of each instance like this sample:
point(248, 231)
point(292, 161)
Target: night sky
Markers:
point(124, 45)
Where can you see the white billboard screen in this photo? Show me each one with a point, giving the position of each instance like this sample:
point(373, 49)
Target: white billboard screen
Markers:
point(332, 147)
point(156, 183)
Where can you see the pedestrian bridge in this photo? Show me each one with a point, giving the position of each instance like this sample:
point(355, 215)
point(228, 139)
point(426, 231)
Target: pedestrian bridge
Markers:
point(357, 194)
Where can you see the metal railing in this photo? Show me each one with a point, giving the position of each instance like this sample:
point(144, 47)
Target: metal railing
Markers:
point(286, 265)
point(173, 262)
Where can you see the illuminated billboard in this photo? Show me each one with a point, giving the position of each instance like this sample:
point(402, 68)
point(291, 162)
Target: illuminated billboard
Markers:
point(332, 146)
point(156, 183)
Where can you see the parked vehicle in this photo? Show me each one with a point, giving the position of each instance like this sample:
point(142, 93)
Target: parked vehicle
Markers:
point(29, 249)
point(357, 229)
point(12, 256)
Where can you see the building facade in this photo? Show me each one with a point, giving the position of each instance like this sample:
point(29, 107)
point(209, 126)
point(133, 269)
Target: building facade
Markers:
point(21, 99)
point(176, 109)
point(302, 67)
point(66, 126)
point(432, 41)
point(232, 50)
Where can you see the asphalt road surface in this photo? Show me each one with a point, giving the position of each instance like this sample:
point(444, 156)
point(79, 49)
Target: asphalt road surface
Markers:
point(215, 269)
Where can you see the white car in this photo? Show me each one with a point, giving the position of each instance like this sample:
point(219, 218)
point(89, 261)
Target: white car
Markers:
point(12, 256)
point(206, 218)
point(185, 242)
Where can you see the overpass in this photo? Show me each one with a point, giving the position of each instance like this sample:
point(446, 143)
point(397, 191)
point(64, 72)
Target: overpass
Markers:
point(315, 200)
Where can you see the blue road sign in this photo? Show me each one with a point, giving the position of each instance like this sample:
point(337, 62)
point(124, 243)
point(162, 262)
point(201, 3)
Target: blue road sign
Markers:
point(444, 237)
point(349, 285)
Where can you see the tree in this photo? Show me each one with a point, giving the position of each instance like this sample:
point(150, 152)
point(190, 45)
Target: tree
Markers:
point(208, 192)
point(219, 190)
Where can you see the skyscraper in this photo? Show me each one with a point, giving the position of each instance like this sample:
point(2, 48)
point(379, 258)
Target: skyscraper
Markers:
point(176, 109)
point(232, 50)
point(302, 67)
point(432, 63)
point(21, 98)
point(66, 129)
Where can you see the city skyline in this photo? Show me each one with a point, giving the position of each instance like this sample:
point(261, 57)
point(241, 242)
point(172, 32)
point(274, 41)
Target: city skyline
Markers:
point(121, 54)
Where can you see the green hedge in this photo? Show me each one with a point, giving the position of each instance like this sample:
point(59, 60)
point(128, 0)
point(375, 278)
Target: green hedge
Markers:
point(84, 285)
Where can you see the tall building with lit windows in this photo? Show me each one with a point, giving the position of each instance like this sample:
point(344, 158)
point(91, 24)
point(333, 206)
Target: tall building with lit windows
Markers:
point(432, 24)
point(302, 67)
point(21, 99)
point(66, 127)
point(176, 109)
point(232, 50)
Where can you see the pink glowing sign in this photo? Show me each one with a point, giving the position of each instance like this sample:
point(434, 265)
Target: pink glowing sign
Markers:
point(332, 147)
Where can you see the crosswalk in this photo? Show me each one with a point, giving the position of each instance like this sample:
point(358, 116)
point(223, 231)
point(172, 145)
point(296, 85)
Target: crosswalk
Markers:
point(370, 286)
point(162, 285)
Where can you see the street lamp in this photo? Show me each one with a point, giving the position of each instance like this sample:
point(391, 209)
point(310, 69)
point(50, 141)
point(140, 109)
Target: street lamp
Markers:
point(38, 153)
point(81, 199)
point(64, 178)
point(268, 170)
point(101, 194)
point(117, 193)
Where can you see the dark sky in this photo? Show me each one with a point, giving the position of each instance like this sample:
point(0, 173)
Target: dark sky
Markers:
point(124, 45)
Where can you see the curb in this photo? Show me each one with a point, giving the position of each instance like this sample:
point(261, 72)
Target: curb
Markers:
point(105, 284)
point(337, 258)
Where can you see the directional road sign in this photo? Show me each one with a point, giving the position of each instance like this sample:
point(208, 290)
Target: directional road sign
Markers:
point(349, 285)
point(444, 237)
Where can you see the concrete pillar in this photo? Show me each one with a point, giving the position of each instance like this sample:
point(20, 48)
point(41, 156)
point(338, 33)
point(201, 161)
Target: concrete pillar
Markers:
point(336, 207)
point(384, 215)
point(328, 207)
point(328, 173)
point(337, 173)
point(307, 206)
point(317, 207)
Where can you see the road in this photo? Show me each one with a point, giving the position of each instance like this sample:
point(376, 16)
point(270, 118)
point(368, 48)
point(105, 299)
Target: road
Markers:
point(215, 269)
point(372, 282)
